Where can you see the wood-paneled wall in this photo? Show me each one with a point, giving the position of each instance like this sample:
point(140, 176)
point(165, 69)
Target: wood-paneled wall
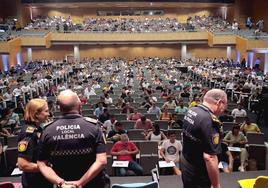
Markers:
point(241, 11)
point(128, 51)
point(258, 11)
point(8, 8)
point(204, 51)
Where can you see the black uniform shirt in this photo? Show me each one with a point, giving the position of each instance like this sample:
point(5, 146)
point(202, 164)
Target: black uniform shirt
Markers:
point(28, 148)
point(201, 135)
point(70, 144)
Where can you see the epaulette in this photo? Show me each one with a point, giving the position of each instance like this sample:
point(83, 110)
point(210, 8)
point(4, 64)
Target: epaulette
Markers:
point(215, 119)
point(47, 124)
point(30, 129)
point(91, 120)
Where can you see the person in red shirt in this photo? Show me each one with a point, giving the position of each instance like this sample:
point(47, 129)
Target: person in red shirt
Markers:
point(124, 150)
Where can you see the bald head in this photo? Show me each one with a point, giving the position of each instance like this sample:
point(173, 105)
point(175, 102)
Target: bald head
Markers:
point(69, 101)
point(214, 95)
point(216, 100)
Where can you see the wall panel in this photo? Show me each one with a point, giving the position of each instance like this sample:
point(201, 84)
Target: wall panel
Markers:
point(55, 52)
point(259, 10)
point(204, 51)
point(129, 52)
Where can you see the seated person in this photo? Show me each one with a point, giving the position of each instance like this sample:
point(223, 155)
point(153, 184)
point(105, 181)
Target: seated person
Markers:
point(156, 134)
point(225, 117)
point(127, 109)
point(143, 123)
point(114, 134)
point(147, 103)
point(104, 116)
point(108, 125)
point(165, 115)
point(237, 138)
point(170, 151)
point(12, 118)
point(239, 112)
point(195, 102)
point(170, 104)
point(135, 115)
point(181, 109)
point(129, 98)
point(185, 93)
point(154, 110)
point(107, 99)
point(248, 126)
point(124, 150)
point(4, 132)
point(99, 110)
point(226, 158)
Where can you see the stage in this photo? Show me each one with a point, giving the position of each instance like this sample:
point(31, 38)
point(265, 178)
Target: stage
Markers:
point(227, 180)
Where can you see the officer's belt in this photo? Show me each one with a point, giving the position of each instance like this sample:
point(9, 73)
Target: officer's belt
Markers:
point(186, 163)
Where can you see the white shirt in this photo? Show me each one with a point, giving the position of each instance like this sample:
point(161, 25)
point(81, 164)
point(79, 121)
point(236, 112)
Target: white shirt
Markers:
point(230, 85)
point(109, 125)
point(33, 86)
point(8, 96)
point(172, 149)
point(239, 113)
point(88, 93)
point(25, 89)
point(108, 100)
point(96, 86)
point(17, 92)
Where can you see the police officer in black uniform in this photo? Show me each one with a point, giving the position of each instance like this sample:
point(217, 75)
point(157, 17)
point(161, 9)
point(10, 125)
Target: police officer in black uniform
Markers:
point(36, 113)
point(75, 147)
point(202, 142)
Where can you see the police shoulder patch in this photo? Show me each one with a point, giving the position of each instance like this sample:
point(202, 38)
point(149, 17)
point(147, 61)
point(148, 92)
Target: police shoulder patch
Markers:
point(216, 139)
point(30, 129)
point(22, 146)
point(91, 120)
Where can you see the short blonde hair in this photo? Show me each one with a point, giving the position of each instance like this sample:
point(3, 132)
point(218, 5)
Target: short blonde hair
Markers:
point(33, 107)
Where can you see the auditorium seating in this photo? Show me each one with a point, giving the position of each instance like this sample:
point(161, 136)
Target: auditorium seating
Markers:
point(228, 126)
point(12, 141)
point(255, 138)
point(258, 153)
point(128, 124)
point(136, 134)
point(148, 150)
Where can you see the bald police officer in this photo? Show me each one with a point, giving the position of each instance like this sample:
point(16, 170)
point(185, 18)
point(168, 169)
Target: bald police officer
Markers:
point(202, 143)
point(74, 146)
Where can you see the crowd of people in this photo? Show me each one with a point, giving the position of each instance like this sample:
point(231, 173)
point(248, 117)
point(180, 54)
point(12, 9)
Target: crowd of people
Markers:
point(107, 87)
point(215, 24)
point(132, 25)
